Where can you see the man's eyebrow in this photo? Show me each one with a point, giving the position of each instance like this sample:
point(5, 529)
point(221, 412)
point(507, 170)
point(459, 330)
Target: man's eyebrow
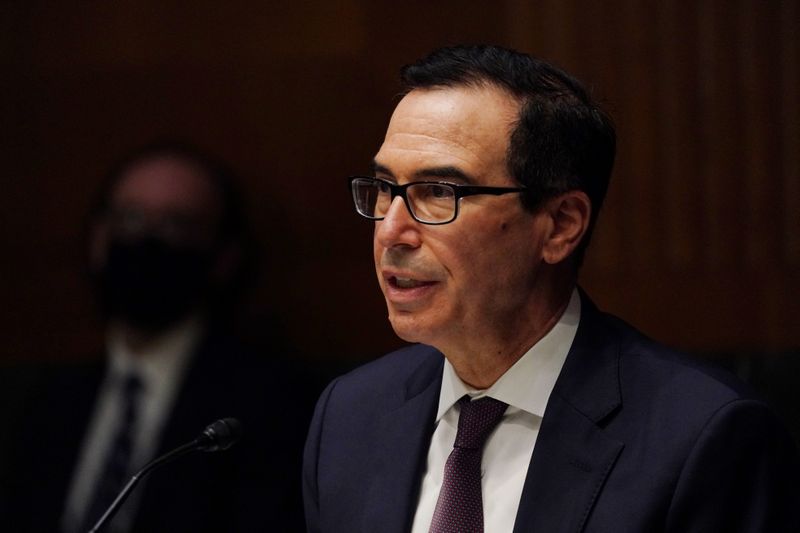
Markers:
point(445, 172)
point(377, 168)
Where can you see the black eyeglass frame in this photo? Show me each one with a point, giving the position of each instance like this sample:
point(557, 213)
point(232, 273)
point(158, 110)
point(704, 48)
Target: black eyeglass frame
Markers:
point(459, 190)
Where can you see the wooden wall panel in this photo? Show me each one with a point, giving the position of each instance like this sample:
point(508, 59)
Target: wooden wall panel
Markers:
point(789, 70)
point(699, 243)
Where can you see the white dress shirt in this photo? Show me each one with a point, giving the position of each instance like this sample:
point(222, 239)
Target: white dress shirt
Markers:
point(525, 387)
point(161, 368)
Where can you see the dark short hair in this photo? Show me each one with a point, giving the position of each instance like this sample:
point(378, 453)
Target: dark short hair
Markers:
point(561, 140)
point(233, 225)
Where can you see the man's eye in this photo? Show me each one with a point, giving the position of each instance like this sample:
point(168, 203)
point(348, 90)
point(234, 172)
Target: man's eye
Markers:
point(439, 191)
point(128, 220)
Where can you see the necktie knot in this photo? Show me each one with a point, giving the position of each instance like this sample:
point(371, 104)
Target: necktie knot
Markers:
point(131, 385)
point(477, 420)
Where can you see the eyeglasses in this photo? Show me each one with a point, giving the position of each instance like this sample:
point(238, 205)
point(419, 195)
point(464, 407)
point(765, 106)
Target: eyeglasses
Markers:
point(429, 202)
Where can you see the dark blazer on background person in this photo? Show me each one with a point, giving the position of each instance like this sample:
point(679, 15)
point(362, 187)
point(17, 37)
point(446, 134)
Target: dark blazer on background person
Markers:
point(635, 438)
point(253, 486)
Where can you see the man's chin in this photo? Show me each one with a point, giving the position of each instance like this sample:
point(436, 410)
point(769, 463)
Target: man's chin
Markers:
point(408, 327)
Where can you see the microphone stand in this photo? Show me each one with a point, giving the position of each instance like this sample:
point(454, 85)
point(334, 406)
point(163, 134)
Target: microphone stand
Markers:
point(123, 495)
point(218, 436)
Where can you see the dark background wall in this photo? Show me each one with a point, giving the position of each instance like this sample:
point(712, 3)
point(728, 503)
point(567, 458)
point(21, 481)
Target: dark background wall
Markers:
point(699, 244)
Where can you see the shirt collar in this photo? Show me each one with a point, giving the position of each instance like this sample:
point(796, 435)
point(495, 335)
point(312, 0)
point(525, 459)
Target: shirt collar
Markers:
point(528, 383)
point(163, 359)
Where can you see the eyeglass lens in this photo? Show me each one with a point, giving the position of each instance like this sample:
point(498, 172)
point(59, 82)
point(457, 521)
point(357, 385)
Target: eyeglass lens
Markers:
point(428, 202)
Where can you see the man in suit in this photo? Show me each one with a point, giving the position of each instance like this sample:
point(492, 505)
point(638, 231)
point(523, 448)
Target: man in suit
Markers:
point(522, 407)
point(169, 254)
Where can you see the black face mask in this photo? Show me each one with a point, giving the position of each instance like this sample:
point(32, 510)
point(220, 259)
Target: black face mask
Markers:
point(151, 284)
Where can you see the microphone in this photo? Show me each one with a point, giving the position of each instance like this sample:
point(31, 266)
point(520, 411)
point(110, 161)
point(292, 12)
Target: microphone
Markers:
point(218, 436)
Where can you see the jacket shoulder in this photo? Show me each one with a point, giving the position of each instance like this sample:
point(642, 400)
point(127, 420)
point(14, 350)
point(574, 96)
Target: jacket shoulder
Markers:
point(661, 371)
point(389, 372)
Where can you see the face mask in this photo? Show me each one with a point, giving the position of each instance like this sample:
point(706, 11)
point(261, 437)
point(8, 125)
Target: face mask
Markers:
point(151, 284)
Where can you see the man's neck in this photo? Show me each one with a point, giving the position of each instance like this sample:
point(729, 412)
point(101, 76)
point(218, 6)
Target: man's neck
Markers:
point(138, 341)
point(480, 364)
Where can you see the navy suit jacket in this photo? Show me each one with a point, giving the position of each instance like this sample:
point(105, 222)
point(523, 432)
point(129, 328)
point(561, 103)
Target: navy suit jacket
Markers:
point(635, 438)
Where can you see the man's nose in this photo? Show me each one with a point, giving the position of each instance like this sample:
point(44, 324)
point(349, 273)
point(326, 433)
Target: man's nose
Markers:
point(398, 227)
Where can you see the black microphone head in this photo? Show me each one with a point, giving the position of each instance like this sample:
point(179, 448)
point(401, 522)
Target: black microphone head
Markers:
point(220, 435)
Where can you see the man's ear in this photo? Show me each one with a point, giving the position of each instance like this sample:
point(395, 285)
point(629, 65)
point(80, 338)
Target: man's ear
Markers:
point(569, 213)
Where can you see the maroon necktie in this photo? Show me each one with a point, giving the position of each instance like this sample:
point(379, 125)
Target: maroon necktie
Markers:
point(459, 508)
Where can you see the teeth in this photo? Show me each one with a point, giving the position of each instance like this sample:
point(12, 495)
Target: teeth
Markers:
point(407, 283)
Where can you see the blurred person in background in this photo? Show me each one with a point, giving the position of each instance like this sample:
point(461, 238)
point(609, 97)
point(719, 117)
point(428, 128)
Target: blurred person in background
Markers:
point(170, 254)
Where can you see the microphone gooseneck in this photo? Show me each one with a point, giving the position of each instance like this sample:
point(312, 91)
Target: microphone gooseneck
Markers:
point(218, 436)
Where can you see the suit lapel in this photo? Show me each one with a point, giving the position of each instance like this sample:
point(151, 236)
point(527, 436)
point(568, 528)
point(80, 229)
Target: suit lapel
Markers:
point(401, 449)
point(573, 456)
point(570, 463)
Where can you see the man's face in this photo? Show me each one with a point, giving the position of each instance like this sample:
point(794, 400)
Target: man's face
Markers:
point(155, 250)
point(448, 285)
point(168, 198)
